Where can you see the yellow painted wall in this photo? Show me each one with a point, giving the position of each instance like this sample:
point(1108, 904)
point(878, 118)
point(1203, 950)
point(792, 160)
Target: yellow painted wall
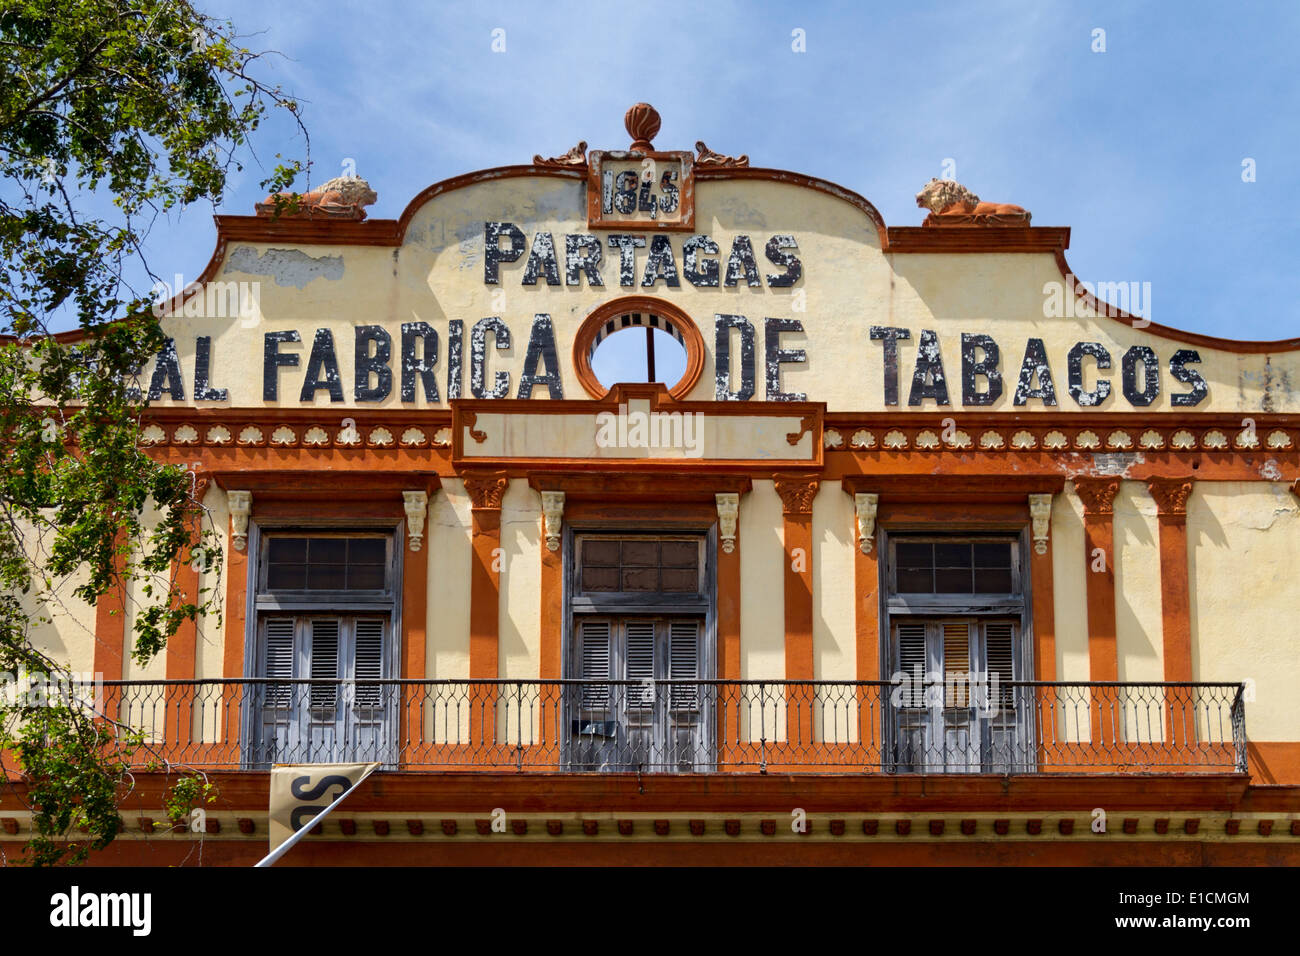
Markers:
point(210, 644)
point(1139, 630)
point(450, 555)
point(834, 545)
point(520, 599)
point(762, 584)
point(1069, 586)
point(1245, 548)
point(68, 638)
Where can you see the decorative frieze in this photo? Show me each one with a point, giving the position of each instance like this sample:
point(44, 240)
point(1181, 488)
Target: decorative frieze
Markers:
point(416, 504)
point(728, 517)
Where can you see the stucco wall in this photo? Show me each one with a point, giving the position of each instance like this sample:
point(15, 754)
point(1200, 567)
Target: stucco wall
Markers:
point(762, 585)
point(1244, 542)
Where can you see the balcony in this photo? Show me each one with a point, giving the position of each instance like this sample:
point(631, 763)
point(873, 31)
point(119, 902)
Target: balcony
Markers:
point(697, 726)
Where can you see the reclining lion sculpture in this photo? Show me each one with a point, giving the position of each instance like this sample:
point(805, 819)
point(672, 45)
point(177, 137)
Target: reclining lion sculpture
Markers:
point(951, 203)
point(340, 198)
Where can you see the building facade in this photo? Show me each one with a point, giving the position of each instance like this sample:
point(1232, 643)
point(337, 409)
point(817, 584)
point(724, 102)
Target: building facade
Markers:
point(929, 553)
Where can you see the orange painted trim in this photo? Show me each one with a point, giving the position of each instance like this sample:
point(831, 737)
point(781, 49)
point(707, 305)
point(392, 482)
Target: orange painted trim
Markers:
point(413, 639)
point(1044, 612)
point(110, 629)
point(1171, 496)
point(728, 617)
point(583, 342)
point(1098, 496)
point(977, 239)
point(799, 663)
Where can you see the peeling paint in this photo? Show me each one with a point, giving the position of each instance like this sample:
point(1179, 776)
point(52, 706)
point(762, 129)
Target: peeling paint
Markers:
point(286, 266)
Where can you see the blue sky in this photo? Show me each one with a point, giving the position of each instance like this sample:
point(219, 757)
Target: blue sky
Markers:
point(1138, 148)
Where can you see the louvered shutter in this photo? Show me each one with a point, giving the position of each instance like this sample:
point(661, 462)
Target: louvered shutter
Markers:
point(369, 664)
point(1000, 658)
point(956, 664)
point(639, 661)
point(324, 653)
point(594, 663)
point(911, 655)
point(278, 661)
point(684, 663)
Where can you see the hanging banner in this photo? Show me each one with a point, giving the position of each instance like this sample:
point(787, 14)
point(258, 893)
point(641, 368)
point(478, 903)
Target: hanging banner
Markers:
point(302, 793)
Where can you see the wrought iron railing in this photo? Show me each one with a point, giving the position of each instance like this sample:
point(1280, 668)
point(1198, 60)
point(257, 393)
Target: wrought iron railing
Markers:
point(688, 726)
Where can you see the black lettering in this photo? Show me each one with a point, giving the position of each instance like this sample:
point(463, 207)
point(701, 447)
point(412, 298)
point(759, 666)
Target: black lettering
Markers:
point(889, 338)
point(272, 361)
point(1074, 374)
point(1188, 376)
point(366, 364)
point(167, 375)
point(322, 361)
point(582, 255)
point(541, 348)
point(660, 264)
point(478, 358)
point(1151, 375)
point(793, 267)
point(741, 263)
point(423, 366)
point(987, 366)
point(542, 256)
point(1035, 365)
point(493, 254)
point(722, 358)
point(203, 391)
point(927, 378)
point(777, 356)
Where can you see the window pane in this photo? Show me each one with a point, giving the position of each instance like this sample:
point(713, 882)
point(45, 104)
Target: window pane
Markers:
point(680, 579)
point(281, 577)
point(366, 577)
point(641, 553)
point(325, 577)
point(914, 581)
point(952, 555)
point(286, 550)
point(912, 554)
point(366, 551)
point(993, 581)
point(599, 579)
point(681, 554)
point(952, 580)
point(993, 554)
point(640, 579)
point(327, 550)
point(600, 552)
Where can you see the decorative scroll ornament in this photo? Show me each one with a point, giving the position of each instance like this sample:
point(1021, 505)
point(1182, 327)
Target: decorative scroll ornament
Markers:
point(708, 157)
point(866, 505)
point(1040, 513)
point(1171, 496)
point(241, 506)
point(797, 493)
point(417, 508)
point(485, 489)
point(575, 157)
point(553, 514)
point(728, 514)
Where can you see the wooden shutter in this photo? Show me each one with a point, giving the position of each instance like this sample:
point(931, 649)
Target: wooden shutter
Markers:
point(594, 663)
point(1000, 658)
point(324, 664)
point(684, 663)
point(369, 660)
point(639, 663)
point(278, 660)
point(911, 651)
point(956, 663)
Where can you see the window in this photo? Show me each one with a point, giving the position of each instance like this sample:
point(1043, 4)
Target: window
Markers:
point(957, 619)
point(325, 612)
point(641, 619)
